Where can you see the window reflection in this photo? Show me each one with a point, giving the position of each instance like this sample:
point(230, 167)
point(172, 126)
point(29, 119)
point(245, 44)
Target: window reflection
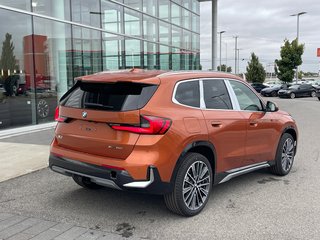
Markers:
point(111, 17)
point(175, 14)
point(133, 53)
point(17, 98)
point(20, 4)
point(86, 12)
point(132, 22)
point(87, 53)
point(58, 9)
point(164, 9)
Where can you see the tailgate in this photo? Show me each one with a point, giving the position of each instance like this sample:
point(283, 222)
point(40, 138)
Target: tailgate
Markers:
point(89, 108)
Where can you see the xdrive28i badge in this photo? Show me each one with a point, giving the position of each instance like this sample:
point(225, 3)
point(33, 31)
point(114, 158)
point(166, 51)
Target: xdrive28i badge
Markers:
point(84, 114)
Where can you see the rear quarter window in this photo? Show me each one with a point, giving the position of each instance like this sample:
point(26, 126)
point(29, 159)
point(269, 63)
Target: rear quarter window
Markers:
point(188, 93)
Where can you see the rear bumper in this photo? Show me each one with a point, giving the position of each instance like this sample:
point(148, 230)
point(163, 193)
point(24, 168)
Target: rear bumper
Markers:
point(112, 178)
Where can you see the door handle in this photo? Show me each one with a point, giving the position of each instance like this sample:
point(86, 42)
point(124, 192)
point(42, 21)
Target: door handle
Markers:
point(216, 124)
point(253, 123)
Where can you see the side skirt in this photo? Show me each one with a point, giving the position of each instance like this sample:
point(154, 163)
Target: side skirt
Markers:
point(226, 176)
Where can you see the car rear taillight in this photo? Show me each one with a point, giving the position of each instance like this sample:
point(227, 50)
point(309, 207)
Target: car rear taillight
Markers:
point(148, 125)
point(57, 116)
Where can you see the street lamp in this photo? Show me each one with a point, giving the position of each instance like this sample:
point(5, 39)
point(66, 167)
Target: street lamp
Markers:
point(235, 54)
point(220, 33)
point(298, 28)
point(238, 56)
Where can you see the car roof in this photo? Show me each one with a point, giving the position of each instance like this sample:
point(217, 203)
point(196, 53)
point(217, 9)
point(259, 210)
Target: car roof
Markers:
point(151, 76)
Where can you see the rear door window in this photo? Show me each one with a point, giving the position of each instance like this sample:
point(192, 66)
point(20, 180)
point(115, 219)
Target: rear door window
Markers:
point(109, 96)
point(188, 93)
point(216, 95)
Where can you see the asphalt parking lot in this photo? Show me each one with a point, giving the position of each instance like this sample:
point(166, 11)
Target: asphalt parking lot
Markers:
point(254, 206)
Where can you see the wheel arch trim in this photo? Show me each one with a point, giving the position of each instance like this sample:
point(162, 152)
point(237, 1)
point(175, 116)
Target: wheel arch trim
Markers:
point(289, 129)
point(188, 148)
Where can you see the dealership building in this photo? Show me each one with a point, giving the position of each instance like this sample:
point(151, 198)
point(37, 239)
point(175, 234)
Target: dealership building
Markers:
point(46, 44)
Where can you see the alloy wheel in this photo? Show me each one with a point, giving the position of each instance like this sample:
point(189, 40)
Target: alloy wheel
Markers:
point(196, 185)
point(43, 108)
point(287, 154)
point(313, 94)
point(292, 95)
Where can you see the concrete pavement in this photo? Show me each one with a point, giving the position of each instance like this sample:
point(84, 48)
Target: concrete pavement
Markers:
point(15, 227)
point(24, 150)
point(254, 206)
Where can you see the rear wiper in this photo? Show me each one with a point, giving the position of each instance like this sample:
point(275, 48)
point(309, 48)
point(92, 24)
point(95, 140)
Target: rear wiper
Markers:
point(97, 105)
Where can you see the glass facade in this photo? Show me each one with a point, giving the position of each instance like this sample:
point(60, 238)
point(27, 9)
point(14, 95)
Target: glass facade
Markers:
point(46, 44)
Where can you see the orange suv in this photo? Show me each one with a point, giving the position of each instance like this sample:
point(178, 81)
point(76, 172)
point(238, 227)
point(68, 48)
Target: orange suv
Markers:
point(171, 133)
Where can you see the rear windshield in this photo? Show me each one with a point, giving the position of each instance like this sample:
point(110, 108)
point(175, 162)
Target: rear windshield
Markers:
point(109, 96)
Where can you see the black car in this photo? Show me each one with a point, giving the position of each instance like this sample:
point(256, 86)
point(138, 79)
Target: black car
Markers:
point(318, 93)
point(273, 91)
point(258, 86)
point(303, 90)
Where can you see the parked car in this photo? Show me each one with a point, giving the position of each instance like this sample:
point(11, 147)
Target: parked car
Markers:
point(318, 93)
point(273, 91)
point(316, 84)
point(272, 83)
point(258, 86)
point(297, 90)
point(155, 132)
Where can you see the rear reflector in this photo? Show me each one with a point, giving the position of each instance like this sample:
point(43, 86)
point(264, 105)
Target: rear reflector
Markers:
point(148, 125)
point(57, 116)
point(113, 167)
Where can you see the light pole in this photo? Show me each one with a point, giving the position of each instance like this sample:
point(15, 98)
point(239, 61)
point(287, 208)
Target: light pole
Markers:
point(298, 29)
point(238, 56)
point(214, 33)
point(220, 33)
point(226, 70)
point(235, 54)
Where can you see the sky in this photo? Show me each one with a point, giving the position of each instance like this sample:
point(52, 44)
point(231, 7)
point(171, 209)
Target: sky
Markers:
point(262, 26)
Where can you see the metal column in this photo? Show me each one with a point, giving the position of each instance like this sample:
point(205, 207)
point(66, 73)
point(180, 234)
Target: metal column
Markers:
point(214, 33)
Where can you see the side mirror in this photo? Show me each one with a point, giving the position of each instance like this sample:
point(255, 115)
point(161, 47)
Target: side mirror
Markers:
point(271, 107)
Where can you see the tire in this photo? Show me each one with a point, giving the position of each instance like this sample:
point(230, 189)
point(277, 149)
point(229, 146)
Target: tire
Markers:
point(319, 98)
point(284, 164)
point(274, 94)
point(313, 94)
point(292, 95)
point(195, 199)
point(85, 182)
point(10, 85)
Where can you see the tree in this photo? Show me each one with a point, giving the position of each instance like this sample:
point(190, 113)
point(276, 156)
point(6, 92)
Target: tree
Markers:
point(223, 68)
point(8, 59)
point(291, 57)
point(255, 70)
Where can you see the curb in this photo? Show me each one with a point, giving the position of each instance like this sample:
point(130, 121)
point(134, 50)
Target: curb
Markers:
point(25, 130)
